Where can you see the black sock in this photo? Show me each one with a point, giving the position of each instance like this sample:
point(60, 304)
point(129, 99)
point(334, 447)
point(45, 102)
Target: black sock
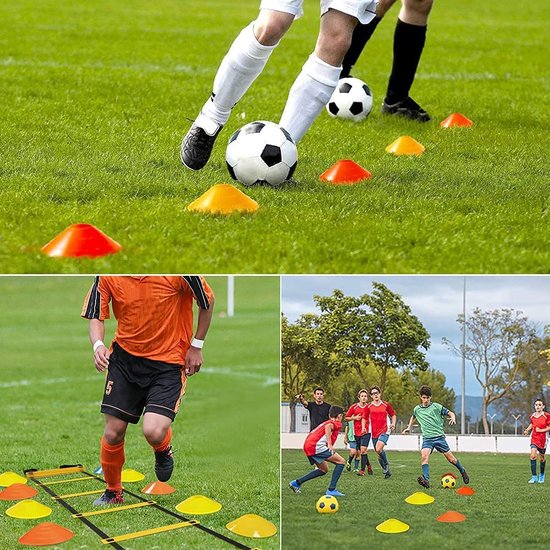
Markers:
point(408, 43)
point(361, 36)
point(364, 459)
point(350, 458)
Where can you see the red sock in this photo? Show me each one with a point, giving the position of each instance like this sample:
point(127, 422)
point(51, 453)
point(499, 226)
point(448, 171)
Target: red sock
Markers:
point(165, 442)
point(112, 460)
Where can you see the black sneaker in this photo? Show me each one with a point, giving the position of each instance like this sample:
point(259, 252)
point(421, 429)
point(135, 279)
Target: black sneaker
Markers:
point(387, 474)
point(465, 477)
point(164, 464)
point(109, 497)
point(424, 482)
point(196, 147)
point(407, 108)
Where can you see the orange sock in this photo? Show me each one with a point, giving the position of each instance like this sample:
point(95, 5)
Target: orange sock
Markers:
point(112, 460)
point(165, 442)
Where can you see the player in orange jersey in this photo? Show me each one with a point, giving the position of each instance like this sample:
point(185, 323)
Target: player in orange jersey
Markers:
point(540, 425)
point(152, 354)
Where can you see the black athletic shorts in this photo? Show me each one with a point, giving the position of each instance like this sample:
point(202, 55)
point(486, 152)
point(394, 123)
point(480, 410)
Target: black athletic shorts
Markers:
point(136, 383)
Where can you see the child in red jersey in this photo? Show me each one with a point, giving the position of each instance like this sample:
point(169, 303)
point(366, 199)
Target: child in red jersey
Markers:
point(319, 449)
point(359, 413)
point(379, 412)
point(540, 425)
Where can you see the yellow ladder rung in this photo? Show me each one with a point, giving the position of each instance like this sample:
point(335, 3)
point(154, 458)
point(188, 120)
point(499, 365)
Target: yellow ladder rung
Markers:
point(56, 472)
point(96, 492)
point(81, 478)
point(115, 509)
point(146, 532)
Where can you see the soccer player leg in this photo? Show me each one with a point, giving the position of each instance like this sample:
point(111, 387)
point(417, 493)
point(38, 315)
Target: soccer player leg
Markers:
point(533, 458)
point(408, 44)
point(453, 460)
point(320, 470)
point(379, 444)
point(339, 463)
point(542, 457)
point(361, 35)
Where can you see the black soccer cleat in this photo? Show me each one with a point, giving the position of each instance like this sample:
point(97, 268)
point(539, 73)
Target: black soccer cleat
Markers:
point(164, 464)
point(407, 108)
point(387, 474)
point(196, 147)
point(465, 477)
point(424, 482)
point(109, 497)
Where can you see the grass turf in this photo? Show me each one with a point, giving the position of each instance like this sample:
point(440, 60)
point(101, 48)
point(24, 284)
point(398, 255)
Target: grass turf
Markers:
point(226, 436)
point(94, 105)
point(502, 512)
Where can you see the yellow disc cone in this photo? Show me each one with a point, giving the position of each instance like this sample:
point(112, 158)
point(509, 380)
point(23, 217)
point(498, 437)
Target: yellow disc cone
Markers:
point(419, 498)
point(253, 526)
point(392, 526)
point(28, 509)
point(224, 199)
point(9, 478)
point(405, 145)
point(131, 476)
point(198, 504)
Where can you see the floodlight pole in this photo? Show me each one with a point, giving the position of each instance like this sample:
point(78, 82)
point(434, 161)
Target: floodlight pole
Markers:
point(516, 418)
point(230, 295)
point(463, 376)
point(491, 416)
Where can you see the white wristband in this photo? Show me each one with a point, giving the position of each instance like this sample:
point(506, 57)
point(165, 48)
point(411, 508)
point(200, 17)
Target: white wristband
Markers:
point(98, 343)
point(196, 343)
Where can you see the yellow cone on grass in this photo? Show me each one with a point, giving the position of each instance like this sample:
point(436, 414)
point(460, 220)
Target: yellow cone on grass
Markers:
point(419, 498)
point(9, 478)
point(392, 526)
point(28, 509)
point(198, 504)
point(223, 199)
point(131, 476)
point(405, 145)
point(253, 526)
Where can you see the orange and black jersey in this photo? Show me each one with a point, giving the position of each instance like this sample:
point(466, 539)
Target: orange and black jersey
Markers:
point(154, 314)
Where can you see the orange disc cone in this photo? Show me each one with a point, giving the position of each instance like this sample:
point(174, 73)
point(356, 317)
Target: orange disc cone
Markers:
point(224, 199)
point(451, 517)
point(18, 491)
point(405, 145)
point(158, 488)
point(81, 239)
point(465, 491)
point(456, 120)
point(345, 172)
point(45, 534)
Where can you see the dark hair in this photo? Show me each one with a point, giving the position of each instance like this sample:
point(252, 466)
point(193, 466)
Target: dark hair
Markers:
point(541, 400)
point(318, 388)
point(361, 391)
point(334, 411)
point(376, 388)
point(426, 390)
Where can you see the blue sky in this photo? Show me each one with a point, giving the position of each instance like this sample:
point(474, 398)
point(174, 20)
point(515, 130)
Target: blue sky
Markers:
point(437, 301)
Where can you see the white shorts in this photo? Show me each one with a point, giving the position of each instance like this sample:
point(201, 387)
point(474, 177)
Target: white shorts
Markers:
point(363, 10)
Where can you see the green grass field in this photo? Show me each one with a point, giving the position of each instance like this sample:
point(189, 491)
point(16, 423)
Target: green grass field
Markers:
point(226, 436)
point(94, 104)
point(505, 512)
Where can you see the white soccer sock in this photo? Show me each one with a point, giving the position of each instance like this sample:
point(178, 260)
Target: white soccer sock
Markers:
point(242, 64)
point(310, 92)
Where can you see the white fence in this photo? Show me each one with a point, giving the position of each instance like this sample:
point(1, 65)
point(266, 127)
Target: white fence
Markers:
point(458, 443)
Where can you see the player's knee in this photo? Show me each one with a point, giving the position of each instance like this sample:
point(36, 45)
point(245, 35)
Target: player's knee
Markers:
point(113, 436)
point(154, 434)
point(269, 31)
point(420, 7)
point(333, 45)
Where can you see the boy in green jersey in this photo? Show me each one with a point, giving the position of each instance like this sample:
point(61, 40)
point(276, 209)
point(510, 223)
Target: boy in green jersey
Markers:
point(431, 416)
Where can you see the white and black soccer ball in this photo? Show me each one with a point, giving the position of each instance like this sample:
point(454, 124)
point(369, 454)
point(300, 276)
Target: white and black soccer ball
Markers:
point(351, 100)
point(261, 152)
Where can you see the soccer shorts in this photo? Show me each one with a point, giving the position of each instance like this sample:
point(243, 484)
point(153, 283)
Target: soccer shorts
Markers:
point(319, 457)
point(352, 444)
point(362, 440)
point(436, 443)
point(541, 450)
point(134, 385)
point(382, 437)
point(363, 10)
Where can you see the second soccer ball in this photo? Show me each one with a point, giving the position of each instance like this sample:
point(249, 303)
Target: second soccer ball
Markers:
point(351, 100)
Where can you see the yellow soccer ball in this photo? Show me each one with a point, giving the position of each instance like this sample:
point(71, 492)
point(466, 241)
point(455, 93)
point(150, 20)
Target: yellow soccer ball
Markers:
point(448, 482)
point(327, 505)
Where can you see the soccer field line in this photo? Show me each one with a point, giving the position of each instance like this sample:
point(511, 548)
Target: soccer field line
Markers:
point(266, 379)
point(42, 381)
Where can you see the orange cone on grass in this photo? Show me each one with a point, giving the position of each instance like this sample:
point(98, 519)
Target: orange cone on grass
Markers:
point(456, 120)
point(465, 491)
point(224, 199)
point(81, 239)
point(345, 172)
point(18, 491)
point(45, 534)
point(451, 517)
point(405, 145)
point(158, 488)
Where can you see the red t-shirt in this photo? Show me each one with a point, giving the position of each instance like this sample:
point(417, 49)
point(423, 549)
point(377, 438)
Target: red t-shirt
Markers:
point(379, 417)
point(542, 421)
point(316, 441)
point(363, 411)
